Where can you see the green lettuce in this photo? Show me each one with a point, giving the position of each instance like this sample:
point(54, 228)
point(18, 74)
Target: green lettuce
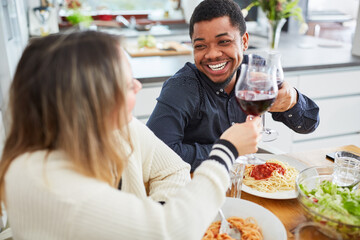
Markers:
point(334, 202)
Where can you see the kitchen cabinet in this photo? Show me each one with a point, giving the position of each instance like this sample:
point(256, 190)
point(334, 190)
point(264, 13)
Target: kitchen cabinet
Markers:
point(146, 100)
point(337, 93)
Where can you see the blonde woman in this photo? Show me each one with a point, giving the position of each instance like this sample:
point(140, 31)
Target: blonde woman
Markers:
point(73, 140)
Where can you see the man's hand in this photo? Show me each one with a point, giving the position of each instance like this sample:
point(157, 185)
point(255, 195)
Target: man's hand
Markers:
point(287, 97)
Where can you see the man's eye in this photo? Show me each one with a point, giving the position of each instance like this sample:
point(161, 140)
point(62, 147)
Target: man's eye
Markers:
point(199, 46)
point(224, 42)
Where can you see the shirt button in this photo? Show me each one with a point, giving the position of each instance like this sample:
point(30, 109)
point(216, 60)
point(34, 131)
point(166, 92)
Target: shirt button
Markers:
point(299, 127)
point(221, 90)
point(217, 93)
point(290, 115)
point(232, 123)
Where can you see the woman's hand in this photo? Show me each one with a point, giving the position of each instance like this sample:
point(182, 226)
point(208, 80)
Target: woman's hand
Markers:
point(244, 136)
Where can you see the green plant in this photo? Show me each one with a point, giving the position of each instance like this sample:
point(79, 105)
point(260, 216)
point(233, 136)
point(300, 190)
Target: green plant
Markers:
point(278, 9)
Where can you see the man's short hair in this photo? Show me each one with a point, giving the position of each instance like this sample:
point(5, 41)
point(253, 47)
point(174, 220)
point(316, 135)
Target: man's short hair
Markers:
point(210, 9)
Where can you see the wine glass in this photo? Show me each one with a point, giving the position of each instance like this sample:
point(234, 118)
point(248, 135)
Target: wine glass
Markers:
point(255, 91)
point(273, 59)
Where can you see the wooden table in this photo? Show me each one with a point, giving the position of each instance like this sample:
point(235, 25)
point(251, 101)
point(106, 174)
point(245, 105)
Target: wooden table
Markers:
point(289, 211)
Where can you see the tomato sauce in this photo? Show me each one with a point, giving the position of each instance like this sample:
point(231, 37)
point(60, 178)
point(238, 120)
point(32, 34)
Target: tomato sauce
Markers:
point(265, 170)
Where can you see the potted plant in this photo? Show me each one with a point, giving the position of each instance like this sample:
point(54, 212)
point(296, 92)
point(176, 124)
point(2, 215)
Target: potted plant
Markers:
point(277, 11)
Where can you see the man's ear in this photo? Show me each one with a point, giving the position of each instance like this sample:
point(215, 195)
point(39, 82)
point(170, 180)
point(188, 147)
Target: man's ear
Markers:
point(245, 41)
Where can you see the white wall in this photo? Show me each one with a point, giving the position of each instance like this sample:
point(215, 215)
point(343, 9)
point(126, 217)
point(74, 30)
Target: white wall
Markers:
point(188, 6)
point(344, 6)
point(356, 41)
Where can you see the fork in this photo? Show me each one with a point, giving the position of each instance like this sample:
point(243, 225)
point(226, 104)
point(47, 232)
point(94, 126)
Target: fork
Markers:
point(225, 227)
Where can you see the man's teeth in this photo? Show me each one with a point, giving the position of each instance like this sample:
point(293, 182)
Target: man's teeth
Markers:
point(217, 67)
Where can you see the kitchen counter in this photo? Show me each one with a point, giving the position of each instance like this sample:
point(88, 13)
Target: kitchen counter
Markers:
point(299, 53)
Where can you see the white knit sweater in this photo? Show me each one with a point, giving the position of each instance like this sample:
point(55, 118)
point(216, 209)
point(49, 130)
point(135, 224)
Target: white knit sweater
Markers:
point(48, 200)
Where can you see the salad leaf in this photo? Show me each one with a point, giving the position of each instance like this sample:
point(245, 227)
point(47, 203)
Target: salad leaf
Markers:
point(335, 202)
point(352, 207)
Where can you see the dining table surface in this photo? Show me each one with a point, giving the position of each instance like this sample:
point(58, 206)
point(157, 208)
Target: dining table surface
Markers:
point(289, 211)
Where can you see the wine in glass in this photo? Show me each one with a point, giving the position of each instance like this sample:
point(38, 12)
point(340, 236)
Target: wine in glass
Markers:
point(273, 58)
point(255, 91)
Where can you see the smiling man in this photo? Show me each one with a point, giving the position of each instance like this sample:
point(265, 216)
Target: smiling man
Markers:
point(198, 103)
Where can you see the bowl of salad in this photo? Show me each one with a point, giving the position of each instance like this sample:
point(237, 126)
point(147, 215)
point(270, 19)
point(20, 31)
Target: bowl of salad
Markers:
point(335, 208)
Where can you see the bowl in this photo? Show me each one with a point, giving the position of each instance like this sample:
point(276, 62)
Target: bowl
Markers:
point(143, 27)
point(318, 206)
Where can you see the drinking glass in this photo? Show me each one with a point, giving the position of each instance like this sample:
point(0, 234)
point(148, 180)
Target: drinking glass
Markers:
point(273, 58)
point(347, 168)
point(236, 179)
point(256, 90)
point(313, 230)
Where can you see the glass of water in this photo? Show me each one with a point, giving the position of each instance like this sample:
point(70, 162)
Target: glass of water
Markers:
point(314, 230)
point(347, 168)
point(236, 179)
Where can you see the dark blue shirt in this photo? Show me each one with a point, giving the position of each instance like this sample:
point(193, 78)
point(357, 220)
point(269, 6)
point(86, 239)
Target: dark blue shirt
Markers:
point(192, 112)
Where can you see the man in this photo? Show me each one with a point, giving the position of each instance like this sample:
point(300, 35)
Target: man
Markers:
point(198, 103)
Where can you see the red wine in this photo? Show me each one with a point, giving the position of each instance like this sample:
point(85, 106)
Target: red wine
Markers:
point(255, 103)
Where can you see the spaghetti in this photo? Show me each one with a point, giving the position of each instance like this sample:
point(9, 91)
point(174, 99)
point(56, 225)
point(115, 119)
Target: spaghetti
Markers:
point(248, 227)
point(273, 176)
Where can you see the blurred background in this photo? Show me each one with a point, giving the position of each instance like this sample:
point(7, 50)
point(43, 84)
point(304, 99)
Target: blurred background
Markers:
point(168, 19)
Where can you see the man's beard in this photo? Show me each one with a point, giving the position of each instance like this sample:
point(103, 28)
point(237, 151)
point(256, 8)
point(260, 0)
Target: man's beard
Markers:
point(226, 82)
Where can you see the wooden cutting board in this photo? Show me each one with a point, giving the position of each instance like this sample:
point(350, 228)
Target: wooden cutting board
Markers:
point(178, 49)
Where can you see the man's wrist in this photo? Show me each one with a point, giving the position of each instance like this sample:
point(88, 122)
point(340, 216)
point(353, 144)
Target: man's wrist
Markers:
point(294, 98)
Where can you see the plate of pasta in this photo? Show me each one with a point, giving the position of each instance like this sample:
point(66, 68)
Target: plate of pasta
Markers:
point(253, 221)
point(275, 179)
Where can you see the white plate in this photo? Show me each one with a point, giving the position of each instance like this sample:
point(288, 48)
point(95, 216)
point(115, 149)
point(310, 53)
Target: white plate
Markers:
point(277, 195)
point(271, 227)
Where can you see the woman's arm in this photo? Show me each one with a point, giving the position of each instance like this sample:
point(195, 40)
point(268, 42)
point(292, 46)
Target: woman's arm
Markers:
point(163, 170)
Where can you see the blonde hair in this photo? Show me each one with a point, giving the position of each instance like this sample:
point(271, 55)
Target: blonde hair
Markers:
point(67, 92)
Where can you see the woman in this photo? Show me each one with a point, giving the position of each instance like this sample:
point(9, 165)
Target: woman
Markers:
point(71, 142)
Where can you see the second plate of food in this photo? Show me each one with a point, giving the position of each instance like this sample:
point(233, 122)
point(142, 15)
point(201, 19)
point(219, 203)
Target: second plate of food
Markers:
point(253, 220)
point(260, 189)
